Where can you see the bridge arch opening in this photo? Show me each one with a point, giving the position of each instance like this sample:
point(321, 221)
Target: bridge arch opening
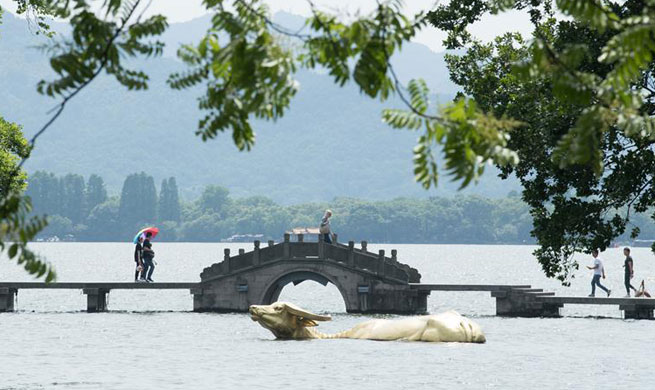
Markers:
point(309, 290)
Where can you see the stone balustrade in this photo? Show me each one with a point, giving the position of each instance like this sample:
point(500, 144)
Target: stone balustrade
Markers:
point(359, 259)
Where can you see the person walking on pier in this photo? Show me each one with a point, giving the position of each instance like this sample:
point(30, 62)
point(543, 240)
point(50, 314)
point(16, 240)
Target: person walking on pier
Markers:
point(324, 229)
point(148, 256)
point(138, 259)
point(599, 271)
point(629, 271)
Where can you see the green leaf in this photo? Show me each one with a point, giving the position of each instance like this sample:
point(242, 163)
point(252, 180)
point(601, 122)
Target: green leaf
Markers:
point(13, 250)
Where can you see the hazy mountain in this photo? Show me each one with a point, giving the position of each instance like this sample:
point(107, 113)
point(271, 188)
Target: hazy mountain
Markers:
point(331, 142)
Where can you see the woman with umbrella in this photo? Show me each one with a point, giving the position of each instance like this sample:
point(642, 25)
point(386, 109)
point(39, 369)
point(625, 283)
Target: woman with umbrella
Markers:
point(138, 258)
point(147, 255)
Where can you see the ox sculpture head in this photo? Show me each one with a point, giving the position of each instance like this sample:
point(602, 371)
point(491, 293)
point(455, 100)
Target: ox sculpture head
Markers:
point(285, 320)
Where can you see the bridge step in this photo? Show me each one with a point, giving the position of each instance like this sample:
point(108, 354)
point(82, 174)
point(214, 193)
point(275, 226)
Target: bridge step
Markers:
point(465, 287)
point(541, 293)
point(527, 290)
point(505, 294)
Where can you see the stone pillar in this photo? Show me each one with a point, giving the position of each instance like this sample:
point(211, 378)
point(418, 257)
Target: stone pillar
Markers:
point(550, 310)
point(197, 299)
point(379, 297)
point(286, 249)
point(321, 247)
point(351, 253)
point(96, 299)
point(394, 256)
point(301, 237)
point(380, 262)
point(7, 298)
point(241, 251)
point(364, 245)
point(335, 238)
point(271, 243)
point(637, 312)
point(255, 254)
point(511, 303)
point(226, 259)
point(363, 298)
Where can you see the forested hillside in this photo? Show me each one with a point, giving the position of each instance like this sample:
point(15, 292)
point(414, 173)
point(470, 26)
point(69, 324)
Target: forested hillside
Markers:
point(81, 210)
point(331, 143)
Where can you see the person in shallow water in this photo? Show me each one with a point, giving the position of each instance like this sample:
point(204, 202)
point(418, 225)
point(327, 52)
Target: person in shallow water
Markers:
point(629, 266)
point(148, 256)
point(599, 271)
point(138, 259)
point(325, 229)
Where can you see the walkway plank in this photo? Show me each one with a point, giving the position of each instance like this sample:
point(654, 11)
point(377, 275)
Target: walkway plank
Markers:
point(597, 301)
point(102, 285)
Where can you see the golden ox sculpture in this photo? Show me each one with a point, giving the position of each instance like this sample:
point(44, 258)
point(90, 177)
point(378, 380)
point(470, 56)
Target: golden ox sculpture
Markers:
point(288, 321)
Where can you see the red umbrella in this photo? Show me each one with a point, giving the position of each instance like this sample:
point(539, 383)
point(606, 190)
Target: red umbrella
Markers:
point(152, 230)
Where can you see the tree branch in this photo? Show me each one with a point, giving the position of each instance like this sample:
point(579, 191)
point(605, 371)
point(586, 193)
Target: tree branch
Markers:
point(60, 107)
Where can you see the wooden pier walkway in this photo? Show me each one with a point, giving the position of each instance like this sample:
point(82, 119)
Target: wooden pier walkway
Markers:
point(96, 292)
point(368, 282)
point(511, 300)
point(634, 308)
point(525, 301)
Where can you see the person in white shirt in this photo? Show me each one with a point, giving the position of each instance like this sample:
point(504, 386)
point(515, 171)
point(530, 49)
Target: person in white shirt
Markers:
point(325, 229)
point(599, 271)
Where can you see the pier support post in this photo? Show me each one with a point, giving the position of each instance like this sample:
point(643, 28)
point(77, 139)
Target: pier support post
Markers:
point(7, 298)
point(637, 312)
point(96, 299)
point(515, 303)
point(197, 299)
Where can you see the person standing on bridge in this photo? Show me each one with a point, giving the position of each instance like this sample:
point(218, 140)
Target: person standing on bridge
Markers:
point(599, 271)
point(325, 229)
point(629, 271)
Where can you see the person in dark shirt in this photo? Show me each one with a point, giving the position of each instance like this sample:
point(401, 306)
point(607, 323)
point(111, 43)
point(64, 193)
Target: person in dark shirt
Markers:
point(148, 256)
point(138, 259)
point(629, 271)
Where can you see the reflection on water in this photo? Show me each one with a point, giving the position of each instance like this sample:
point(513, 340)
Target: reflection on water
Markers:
point(152, 340)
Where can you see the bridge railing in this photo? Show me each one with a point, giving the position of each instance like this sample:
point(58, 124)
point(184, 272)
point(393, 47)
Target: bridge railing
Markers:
point(357, 258)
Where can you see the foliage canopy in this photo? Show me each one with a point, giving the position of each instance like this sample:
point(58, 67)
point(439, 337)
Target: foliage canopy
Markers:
point(569, 112)
point(583, 89)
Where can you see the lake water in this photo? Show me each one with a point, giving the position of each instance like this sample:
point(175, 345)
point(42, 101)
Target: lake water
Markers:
point(152, 340)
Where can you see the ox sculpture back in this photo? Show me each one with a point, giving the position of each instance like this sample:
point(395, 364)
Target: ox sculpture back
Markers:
point(288, 321)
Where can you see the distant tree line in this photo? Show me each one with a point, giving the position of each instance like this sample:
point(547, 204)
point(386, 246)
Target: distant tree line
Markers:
point(82, 210)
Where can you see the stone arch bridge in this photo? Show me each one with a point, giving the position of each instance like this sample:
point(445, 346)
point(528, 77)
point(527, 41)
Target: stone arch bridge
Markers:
point(368, 282)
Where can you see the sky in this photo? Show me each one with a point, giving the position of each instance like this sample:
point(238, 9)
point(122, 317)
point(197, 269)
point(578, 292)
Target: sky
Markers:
point(491, 26)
